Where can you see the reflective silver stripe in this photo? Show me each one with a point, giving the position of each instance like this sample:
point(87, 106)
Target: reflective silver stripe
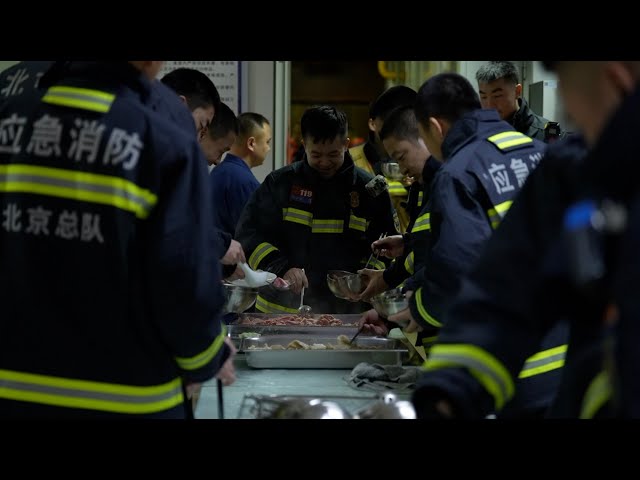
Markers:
point(409, 263)
point(420, 198)
point(93, 395)
point(87, 394)
point(297, 216)
point(204, 357)
point(259, 253)
point(357, 223)
point(82, 98)
point(90, 187)
point(545, 361)
point(268, 307)
point(327, 226)
point(423, 222)
point(510, 139)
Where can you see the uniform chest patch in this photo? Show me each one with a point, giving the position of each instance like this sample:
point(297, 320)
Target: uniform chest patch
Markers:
point(301, 195)
point(355, 199)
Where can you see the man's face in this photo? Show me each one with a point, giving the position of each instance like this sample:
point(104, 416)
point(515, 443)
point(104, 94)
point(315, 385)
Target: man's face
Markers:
point(432, 139)
point(202, 116)
point(500, 95)
point(262, 145)
point(326, 157)
point(214, 149)
point(411, 156)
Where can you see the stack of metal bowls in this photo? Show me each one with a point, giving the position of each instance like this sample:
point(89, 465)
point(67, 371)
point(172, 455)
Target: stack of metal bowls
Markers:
point(238, 298)
point(390, 302)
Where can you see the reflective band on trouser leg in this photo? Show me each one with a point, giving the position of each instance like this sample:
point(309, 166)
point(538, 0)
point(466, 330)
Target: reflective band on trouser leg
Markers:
point(268, 307)
point(544, 361)
point(204, 357)
point(72, 393)
point(486, 368)
point(597, 395)
point(423, 313)
point(76, 185)
point(497, 213)
point(82, 98)
point(261, 251)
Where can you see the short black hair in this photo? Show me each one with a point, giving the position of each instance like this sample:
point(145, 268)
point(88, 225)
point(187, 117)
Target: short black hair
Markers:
point(446, 95)
point(248, 122)
point(402, 124)
point(224, 121)
point(195, 86)
point(550, 65)
point(394, 97)
point(492, 71)
point(323, 122)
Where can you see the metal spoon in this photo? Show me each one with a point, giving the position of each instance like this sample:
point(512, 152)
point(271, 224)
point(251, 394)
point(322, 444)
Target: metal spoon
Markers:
point(303, 309)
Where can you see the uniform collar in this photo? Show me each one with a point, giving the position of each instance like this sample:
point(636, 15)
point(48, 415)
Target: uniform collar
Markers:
point(464, 130)
point(235, 160)
point(521, 118)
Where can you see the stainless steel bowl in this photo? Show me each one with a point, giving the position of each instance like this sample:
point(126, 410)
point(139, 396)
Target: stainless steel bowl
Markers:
point(352, 284)
point(332, 282)
point(390, 302)
point(238, 298)
point(391, 170)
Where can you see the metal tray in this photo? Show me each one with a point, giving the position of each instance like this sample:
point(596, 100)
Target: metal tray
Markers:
point(380, 350)
point(236, 328)
point(347, 318)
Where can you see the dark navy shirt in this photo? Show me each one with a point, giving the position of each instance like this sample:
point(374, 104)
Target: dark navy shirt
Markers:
point(232, 183)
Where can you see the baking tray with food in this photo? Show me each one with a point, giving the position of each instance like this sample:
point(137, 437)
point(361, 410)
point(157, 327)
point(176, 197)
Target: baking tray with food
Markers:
point(256, 324)
point(320, 351)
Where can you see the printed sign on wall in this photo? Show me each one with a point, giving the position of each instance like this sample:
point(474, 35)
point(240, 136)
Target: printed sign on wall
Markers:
point(225, 75)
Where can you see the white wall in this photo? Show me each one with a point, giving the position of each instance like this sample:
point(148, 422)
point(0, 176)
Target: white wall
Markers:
point(258, 96)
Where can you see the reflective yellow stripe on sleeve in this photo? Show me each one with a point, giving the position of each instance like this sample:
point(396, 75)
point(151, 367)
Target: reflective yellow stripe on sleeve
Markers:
point(261, 251)
point(497, 213)
point(409, 263)
point(82, 98)
point(508, 140)
point(396, 188)
point(80, 186)
point(265, 306)
point(544, 361)
point(91, 395)
point(423, 222)
point(486, 368)
point(420, 198)
point(597, 395)
point(423, 312)
point(204, 357)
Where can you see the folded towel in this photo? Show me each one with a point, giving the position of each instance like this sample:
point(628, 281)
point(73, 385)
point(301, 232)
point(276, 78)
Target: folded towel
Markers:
point(382, 378)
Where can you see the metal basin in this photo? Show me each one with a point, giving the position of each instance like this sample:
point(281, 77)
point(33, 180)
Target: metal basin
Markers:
point(391, 170)
point(238, 298)
point(390, 302)
point(333, 277)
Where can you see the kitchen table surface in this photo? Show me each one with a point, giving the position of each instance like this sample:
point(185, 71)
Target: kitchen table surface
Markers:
point(311, 382)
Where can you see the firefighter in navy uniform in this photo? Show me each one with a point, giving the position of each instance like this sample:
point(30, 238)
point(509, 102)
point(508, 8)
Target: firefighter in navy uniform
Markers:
point(23, 77)
point(485, 164)
point(536, 269)
point(371, 155)
point(110, 292)
point(316, 215)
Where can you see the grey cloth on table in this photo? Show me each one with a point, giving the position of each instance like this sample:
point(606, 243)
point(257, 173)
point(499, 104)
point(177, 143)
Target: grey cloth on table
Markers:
point(383, 378)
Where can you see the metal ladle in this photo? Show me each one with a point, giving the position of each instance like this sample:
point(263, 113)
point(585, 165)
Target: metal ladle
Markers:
point(303, 309)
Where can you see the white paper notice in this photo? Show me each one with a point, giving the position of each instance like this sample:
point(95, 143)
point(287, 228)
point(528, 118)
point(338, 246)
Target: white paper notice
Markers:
point(225, 75)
